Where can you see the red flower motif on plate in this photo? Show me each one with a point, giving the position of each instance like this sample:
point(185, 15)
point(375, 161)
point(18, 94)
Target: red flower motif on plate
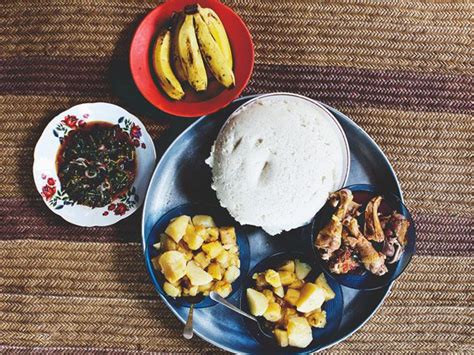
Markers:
point(121, 209)
point(70, 121)
point(135, 131)
point(48, 191)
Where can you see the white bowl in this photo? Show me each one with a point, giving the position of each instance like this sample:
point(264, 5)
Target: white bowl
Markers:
point(45, 170)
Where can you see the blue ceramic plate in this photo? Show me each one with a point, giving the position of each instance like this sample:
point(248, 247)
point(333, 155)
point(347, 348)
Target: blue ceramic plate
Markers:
point(333, 307)
point(365, 280)
point(182, 177)
point(221, 218)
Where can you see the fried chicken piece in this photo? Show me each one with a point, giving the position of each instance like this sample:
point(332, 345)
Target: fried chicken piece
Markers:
point(347, 240)
point(395, 228)
point(329, 238)
point(343, 200)
point(371, 258)
point(400, 225)
point(373, 229)
point(343, 261)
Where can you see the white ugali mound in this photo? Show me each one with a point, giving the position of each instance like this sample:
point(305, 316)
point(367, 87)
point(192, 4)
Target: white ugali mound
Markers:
point(276, 160)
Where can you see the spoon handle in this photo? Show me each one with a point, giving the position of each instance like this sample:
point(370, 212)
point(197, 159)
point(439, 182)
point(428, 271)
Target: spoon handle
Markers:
point(188, 328)
point(219, 299)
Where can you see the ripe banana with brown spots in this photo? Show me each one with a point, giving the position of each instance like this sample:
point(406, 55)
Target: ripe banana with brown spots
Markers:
point(161, 63)
point(212, 53)
point(218, 31)
point(176, 23)
point(190, 54)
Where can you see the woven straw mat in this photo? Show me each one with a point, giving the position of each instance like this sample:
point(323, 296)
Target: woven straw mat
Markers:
point(402, 70)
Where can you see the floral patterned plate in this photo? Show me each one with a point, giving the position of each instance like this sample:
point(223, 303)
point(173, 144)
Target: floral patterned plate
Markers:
point(45, 170)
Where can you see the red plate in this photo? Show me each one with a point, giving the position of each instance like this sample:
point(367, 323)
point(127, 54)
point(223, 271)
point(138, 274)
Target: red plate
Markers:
point(193, 104)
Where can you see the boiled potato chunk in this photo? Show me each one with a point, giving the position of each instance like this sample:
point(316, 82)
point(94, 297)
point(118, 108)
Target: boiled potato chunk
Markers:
point(231, 274)
point(269, 295)
point(231, 248)
point(281, 337)
point(287, 277)
point(155, 261)
point(292, 296)
point(193, 237)
point(194, 260)
point(273, 312)
point(279, 291)
point(192, 291)
point(297, 284)
point(234, 259)
point(311, 298)
point(184, 249)
point(222, 288)
point(228, 235)
point(288, 265)
point(206, 288)
point(260, 281)
point(202, 259)
point(273, 278)
point(196, 275)
point(288, 313)
point(215, 270)
point(316, 318)
point(328, 292)
point(257, 301)
point(173, 265)
point(203, 220)
point(166, 243)
point(171, 290)
point(212, 234)
point(299, 332)
point(177, 228)
point(301, 269)
point(212, 249)
point(223, 259)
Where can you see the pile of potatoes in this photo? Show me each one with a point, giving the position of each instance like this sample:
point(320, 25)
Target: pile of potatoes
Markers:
point(290, 304)
point(197, 257)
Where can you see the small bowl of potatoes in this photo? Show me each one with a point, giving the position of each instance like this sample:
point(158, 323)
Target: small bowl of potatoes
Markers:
point(194, 249)
point(299, 305)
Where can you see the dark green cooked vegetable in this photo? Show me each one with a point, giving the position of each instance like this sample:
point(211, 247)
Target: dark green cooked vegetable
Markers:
point(96, 163)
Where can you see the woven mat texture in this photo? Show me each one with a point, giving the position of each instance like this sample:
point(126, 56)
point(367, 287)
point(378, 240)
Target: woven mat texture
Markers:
point(402, 70)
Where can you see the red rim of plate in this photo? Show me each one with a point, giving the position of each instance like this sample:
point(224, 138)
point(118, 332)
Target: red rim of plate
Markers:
point(140, 64)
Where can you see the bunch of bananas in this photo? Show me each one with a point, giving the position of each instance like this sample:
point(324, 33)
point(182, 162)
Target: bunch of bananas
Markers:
point(191, 41)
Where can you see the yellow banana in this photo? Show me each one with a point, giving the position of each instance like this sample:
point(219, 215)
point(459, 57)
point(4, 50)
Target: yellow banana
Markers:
point(190, 55)
point(213, 54)
point(177, 21)
point(161, 63)
point(218, 31)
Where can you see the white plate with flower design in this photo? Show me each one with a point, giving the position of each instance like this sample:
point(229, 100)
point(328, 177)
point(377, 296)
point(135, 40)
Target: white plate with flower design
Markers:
point(46, 165)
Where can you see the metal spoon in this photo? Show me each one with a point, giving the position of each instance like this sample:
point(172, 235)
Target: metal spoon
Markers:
point(188, 328)
point(260, 321)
